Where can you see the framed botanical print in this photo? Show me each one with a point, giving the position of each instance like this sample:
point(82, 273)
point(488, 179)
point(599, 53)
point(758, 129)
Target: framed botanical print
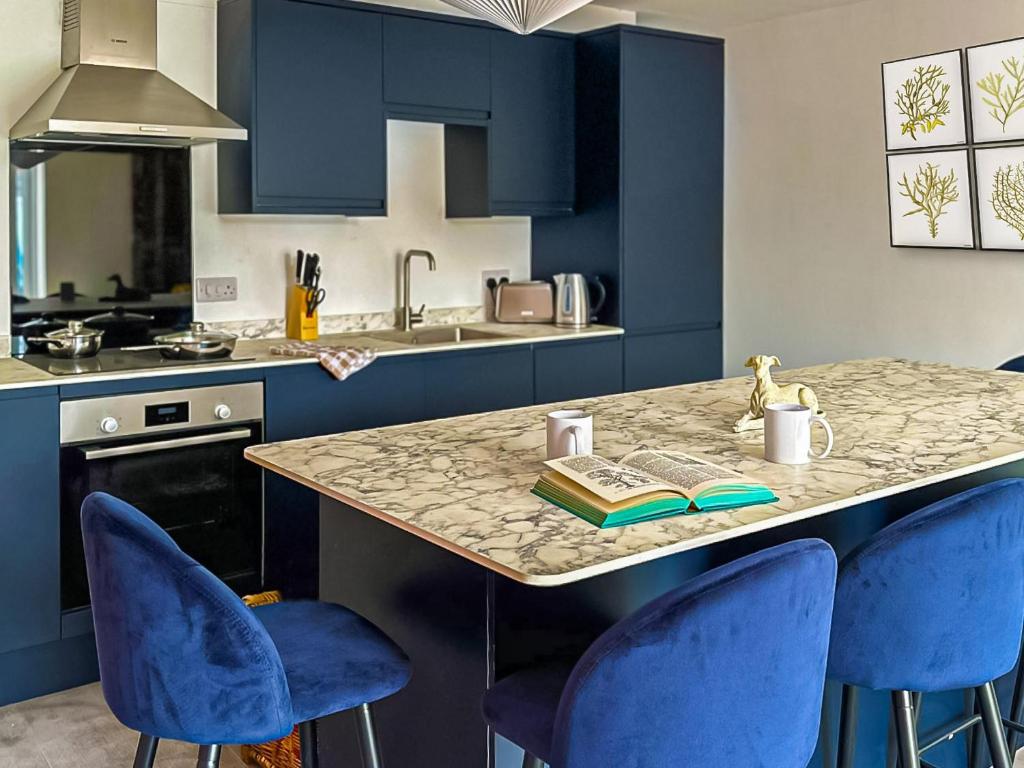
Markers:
point(924, 102)
point(996, 76)
point(930, 200)
point(1000, 172)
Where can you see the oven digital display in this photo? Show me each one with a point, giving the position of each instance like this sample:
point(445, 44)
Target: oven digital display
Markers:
point(166, 413)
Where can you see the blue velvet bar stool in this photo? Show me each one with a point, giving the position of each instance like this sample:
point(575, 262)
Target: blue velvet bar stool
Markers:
point(726, 670)
point(181, 657)
point(933, 602)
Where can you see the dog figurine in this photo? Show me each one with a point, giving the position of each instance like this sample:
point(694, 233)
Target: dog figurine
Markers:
point(767, 392)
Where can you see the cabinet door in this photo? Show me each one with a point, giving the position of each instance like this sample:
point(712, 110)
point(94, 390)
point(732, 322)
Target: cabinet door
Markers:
point(458, 383)
point(672, 91)
point(434, 64)
point(667, 359)
point(319, 126)
point(532, 133)
point(30, 519)
point(575, 370)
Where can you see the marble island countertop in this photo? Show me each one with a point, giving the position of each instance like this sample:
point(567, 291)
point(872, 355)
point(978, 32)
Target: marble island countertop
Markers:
point(255, 353)
point(464, 483)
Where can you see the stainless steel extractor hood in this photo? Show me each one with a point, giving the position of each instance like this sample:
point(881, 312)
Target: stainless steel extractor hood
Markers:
point(110, 89)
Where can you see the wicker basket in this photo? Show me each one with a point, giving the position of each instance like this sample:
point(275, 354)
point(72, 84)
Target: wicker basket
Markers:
point(283, 753)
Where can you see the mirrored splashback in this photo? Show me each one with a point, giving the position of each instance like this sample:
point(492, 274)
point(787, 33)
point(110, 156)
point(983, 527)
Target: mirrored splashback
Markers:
point(100, 230)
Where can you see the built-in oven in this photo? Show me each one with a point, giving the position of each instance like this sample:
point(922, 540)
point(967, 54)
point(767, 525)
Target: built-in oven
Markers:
point(178, 457)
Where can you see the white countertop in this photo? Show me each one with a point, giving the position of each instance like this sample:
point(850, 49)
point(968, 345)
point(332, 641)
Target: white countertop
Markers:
point(15, 374)
point(464, 483)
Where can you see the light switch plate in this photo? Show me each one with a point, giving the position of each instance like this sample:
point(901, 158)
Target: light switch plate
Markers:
point(487, 300)
point(216, 289)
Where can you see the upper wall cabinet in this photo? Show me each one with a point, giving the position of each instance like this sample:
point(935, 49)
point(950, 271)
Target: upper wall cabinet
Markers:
point(523, 162)
point(436, 69)
point(306, 80)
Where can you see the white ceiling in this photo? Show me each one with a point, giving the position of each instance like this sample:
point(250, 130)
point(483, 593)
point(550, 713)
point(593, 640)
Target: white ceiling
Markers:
point(725, 13)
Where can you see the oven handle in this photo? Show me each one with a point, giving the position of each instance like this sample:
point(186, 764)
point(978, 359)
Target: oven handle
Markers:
point(92, 454)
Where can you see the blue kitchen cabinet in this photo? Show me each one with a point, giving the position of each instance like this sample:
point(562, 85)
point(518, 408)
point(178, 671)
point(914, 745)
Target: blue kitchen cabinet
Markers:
point(652, 360)
point(436, 69)
point(672, 133)
point(573, 370)
point(523, 162)
point(457, 383)
point(649, 122)
point(30, 519)
point(306, 80)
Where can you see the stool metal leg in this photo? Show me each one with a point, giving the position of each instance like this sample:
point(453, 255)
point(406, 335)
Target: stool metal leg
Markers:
point(993, 722)
point(309, 752)
point(1017, 703)
point(906, 732)
point(368, 737)
point(146, 753)
point(209, 756)
point(848, 727)
point(529, 761)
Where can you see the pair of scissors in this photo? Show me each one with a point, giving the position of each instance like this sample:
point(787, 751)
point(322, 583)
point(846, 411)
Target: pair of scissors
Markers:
point(315, 295)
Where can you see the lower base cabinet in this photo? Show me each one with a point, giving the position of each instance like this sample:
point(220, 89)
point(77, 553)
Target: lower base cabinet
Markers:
point(653, 360)
point(577, 369)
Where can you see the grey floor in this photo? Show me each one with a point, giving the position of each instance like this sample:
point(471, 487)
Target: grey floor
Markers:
point(74, 729)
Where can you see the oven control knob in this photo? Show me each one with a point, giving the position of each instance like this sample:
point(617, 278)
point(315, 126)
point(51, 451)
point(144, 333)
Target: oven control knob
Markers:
point(109, 425)
point(222, 412)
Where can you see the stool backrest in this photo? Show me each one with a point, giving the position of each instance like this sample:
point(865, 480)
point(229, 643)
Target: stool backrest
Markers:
point(728, 669)
point(935, 601)
point(180, 655)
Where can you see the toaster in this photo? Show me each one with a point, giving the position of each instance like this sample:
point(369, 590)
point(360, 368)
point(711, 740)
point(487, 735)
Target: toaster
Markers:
point(526, 302)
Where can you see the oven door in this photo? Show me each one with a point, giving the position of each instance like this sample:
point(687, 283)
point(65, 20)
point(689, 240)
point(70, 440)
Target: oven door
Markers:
point(195, 485)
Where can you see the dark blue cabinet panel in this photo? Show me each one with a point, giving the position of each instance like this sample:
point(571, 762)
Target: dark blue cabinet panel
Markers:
point(532, 132)
point(472, 382)
point(667, 359)
point(306, 80)
point(30, 519)
point(576, 370)
point(672, 131)
point(435, 65)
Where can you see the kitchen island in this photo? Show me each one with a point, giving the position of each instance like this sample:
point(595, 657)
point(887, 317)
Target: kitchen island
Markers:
point(431, 532)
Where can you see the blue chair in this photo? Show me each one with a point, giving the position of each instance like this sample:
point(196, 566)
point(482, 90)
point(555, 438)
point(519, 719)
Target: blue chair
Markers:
point(933, 602)
point(181, 657)
point(1016, 365)
point(726, 670)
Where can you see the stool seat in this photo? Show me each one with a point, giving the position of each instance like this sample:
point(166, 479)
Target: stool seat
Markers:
point(333, 658)
point(522, 706)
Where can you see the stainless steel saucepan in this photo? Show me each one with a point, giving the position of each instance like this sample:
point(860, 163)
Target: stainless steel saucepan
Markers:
point(196, 343)
point(75, 341)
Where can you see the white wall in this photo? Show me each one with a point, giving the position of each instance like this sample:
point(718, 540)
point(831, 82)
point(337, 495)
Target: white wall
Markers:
point(810, 275)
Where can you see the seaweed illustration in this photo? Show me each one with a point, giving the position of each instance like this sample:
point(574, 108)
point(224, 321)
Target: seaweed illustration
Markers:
point(931, 192)
point(1005, 91)
point(922, 99)
point(1008, 196)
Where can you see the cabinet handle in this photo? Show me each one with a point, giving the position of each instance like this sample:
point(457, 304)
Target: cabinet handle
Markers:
point(91, 454)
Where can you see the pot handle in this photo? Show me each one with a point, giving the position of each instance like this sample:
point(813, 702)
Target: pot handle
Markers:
point(602, 295)
point(147, 347)
point(41, 340)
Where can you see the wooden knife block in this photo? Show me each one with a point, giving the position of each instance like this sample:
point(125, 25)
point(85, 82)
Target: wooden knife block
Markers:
point(296, 324)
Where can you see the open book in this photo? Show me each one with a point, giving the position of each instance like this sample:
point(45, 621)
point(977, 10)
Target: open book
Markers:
point(645, 485)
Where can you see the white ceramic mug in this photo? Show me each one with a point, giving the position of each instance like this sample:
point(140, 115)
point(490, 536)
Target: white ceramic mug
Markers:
point(570, 433)
point(787, 434)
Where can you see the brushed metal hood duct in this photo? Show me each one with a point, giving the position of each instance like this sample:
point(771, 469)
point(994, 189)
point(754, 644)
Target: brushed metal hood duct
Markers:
point(110, 90)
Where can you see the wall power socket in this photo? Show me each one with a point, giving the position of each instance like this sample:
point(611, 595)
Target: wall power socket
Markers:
point(487, 299)
point(216, 289)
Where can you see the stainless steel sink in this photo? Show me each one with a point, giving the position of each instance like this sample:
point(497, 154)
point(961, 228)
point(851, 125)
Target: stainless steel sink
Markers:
point(445, 334)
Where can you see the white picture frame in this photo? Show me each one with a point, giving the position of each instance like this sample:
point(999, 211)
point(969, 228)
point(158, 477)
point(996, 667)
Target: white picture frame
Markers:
point(1000, 184)
point(924, 103)
point(930, 200)
point(995, 74)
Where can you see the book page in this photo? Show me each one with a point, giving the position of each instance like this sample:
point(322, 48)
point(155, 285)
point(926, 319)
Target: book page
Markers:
point(612, 482)
point(683, 472)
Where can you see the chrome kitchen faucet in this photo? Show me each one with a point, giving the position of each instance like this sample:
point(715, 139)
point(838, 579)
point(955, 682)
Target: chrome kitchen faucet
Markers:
point(410, 318)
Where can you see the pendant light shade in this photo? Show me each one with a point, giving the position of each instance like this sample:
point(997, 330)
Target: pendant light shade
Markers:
point(522, 16)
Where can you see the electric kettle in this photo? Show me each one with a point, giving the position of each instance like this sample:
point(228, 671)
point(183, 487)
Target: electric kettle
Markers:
point(572, 300)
